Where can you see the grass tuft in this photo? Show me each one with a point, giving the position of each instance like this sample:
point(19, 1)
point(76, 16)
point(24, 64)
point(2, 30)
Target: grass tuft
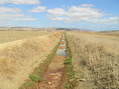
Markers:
point(96, 60)
point(35, 77)
point(70, 81)
point(67, 61)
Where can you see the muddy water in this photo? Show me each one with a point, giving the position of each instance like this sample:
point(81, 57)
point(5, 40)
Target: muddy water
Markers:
point(61, 51)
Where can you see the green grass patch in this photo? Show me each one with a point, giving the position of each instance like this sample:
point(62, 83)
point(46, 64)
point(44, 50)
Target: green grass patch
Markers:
point(70, 80)
point(67, 61)
point(35, 77)
point(28, 84)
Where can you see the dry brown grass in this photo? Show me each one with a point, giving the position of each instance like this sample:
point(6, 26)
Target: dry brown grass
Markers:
point(8, 36)
point(19, 58)
point(95, 59)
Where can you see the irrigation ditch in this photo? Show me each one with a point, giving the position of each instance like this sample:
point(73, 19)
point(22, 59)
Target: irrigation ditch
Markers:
point(56, 72)
point(37, 75)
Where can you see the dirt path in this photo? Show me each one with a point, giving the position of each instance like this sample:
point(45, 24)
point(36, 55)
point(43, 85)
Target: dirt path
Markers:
point(54, 75)
point(55, 72)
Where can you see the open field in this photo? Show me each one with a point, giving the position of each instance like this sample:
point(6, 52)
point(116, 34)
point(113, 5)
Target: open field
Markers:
point(19, 58)
point(114, 33)
point(7, 36)
point(85, 60)
point(59, 44)
point(95, 58)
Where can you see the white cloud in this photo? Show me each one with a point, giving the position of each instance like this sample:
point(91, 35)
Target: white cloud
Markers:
point(83, 12)
point(75, 13)
point(114, 20)
point(39, 9)
point(8, 14)
point(19, 1)
point(110, 20)
point(8, 9)
point(15, 17)
point(86, 5)
point(57, 11)
point(59, 18)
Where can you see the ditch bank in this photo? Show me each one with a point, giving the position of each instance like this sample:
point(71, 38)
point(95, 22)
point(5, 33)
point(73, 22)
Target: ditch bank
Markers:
point(57, 71)
point(70, 81)
point(53, 71)
point(19, 58)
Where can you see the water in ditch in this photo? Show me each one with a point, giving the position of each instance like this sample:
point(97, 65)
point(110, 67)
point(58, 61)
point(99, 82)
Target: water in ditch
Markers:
point(61, 51)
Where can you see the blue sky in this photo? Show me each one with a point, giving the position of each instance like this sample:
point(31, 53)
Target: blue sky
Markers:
point(83, 14)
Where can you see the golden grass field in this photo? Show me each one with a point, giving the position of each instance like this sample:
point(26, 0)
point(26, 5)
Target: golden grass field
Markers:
point(7, 36)
point(95, 58)
point(19, 58)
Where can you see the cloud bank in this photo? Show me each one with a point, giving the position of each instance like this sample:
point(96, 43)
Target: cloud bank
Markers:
point(38, 9)
point(19, 1)
point(83, 12)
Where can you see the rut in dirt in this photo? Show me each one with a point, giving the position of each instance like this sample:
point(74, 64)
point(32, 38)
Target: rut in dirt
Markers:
point(53, 78)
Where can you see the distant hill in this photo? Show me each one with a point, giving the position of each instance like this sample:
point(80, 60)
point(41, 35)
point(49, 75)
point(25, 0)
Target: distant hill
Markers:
point(113, 32)
point(110, 31)
point(24, 29)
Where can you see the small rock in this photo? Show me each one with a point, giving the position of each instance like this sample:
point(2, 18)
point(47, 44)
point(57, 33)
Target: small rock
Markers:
point(56, 77)
point(49, 83)
point(82, 80)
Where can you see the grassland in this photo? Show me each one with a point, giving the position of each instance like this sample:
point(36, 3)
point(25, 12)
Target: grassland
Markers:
point(8, 36)
point(95, 58)
point(19, 58)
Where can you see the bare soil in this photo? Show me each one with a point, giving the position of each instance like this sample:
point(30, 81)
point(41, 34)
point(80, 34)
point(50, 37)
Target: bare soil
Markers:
point(54, 75)
point(53, 78)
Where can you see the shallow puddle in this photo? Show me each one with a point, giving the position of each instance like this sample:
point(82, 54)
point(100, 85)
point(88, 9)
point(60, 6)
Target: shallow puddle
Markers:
point(61, 52)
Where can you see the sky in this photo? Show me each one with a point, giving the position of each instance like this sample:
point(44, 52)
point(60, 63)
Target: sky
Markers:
point(95, 15)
